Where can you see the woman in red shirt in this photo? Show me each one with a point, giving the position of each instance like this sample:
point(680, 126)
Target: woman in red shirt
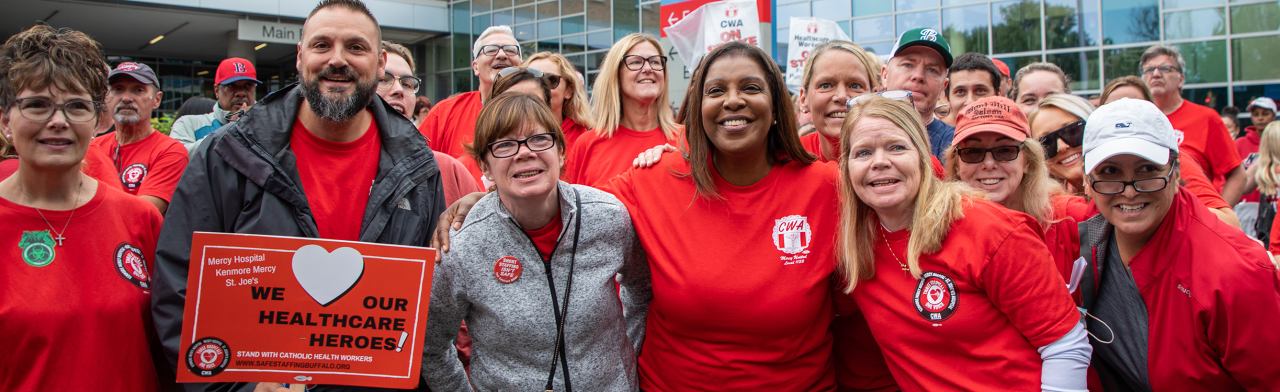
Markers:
point(568, 95)
point(75, 285)
point(960, 293)
point(630, 110)
point(834, 72)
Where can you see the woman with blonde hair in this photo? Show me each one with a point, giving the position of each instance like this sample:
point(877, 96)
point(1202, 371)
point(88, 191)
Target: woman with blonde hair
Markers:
point(1264, 176)
point(630, 110)
point(568, 95)
point(1058, 123)
point(979, 278)
point(834, 72)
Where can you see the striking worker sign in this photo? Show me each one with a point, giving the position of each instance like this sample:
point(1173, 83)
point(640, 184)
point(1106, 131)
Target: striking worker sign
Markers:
point(806, 34)
point(304, 310)
point(715, 24)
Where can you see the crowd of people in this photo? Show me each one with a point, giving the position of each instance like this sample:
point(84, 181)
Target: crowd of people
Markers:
point(945, 224)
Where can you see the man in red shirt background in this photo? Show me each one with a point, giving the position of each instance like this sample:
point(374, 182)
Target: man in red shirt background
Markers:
point(1204, 137)
point(452, 122)
point(149, 162)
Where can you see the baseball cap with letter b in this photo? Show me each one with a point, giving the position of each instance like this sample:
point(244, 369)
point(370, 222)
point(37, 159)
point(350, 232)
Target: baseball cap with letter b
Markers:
point(1128, 126)
point(234, 70)
point(927, 37)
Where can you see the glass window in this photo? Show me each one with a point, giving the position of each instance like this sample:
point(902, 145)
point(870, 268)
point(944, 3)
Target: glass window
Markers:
point(526, 14)
point(872, 29)
point(871, 7)
point(1121, 62)
point(1213, 97)
point(570, 7)
point(548, 46)
point(461, 52)
point(502, 18)
point(461, 81)
point(520, 2)
point(1206, 61)
point(598, 15)
point(480, 5)
point(461, 18)
point(1015, 26)
point(549, 9)
point(594, 60)
point(832, 9)
point(954, 2)
point(881, 48)
point(1170, 4)
point(480, 22)
point(550, 28)
point(651, 19)
point(571, 25)
point(499, 4)
point(524, 32)
point(626, 18)
point(600, 40)
point(912, 5)
point(1016, 63)
point(785, 12)
point(1070, 23)
point(1255, 17)
point(1128, 21)
point(784, 44)
point(965, 28)
point(916, 20)
point(574, 43)
point(1204, 22)
point(527, 48)
point(1245, 94)
point(578, 61)
point(1256, 58)
point(1083, 68)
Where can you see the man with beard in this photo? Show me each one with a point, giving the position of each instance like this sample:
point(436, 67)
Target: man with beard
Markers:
point(321, 159)
point(234, 88)
point(451, 123)
point(921, 58)
point(1204, 137)
point(149, 162)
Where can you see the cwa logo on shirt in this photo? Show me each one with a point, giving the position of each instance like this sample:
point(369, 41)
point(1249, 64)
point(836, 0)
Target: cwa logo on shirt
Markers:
point(132, 176)
point(792, 236)
point(132, 266)
point(935, 297)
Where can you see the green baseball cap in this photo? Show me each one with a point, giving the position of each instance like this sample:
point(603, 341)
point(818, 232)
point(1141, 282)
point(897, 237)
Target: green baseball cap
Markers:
point(927, 37)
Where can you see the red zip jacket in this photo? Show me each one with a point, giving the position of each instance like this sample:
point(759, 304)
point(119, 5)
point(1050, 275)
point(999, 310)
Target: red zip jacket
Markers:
point(1247, 146)
point(1212, 298)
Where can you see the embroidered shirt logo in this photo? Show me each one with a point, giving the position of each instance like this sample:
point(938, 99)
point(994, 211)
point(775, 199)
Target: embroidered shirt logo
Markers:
point(37, 248)
point(935, 297)
point(791, 234)
point(930, 35)
point(131, 265)
point(132, 176)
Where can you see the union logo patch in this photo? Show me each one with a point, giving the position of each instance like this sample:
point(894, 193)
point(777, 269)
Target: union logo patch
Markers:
point(132, 266)
point(133, 175)
point(935, 297)
point(37, 248)
point(208, 356)
point(791, 234)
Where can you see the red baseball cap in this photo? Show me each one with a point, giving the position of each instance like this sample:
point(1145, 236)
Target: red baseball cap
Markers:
point(1004, 69)
point(992, 114)
point(234, 70)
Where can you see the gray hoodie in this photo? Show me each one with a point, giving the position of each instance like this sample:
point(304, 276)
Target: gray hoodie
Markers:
point(512, 325)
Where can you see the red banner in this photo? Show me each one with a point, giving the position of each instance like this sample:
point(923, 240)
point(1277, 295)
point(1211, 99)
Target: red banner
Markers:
point(671, 13)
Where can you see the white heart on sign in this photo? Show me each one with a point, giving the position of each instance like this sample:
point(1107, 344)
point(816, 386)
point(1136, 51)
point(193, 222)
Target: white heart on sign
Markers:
point(327, 276)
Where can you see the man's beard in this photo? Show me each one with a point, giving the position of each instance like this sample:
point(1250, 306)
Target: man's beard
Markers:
point(341, 109)
point(127, 120)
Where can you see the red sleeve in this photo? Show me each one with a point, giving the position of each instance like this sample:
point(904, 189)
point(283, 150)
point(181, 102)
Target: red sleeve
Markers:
point(1221, 150)
point(937, 169)
point(1028, 289)
point(1241, 325)
point(1194, 178)
point(99, 166)
point(455, 177)
point(574, 159)
point(162, 177)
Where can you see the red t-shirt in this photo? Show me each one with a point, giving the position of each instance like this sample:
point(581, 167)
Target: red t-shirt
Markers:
point(1204, 139)
point(595, 158)
point(748, 314)
point(451, 124)
point(988, 299)
point(572, 131)
point(456, 178)
point(1247, 149)
point(474, 170)
point(813, 145)
point(8, 166)
point(336, 178)
point(148, 167)
point(1198, 184)
point(82, 321)
point(96, 164)
point(860, 365)
point(545, 238)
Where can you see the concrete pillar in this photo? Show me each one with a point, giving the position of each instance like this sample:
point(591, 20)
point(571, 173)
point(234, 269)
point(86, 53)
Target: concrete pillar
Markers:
point(241, 49)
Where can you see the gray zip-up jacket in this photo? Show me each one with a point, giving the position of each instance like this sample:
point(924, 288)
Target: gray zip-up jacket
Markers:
point(244, 179)
point(512, 326)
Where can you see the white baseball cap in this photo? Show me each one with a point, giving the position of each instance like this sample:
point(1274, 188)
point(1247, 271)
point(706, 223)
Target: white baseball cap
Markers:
point(1128, 126)
point(1262, 102)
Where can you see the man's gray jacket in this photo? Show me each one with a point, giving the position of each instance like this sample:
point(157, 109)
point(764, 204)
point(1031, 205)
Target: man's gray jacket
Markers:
point(244, 179)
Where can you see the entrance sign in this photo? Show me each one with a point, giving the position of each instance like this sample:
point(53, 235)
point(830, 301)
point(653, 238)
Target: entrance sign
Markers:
point(715, 24)
point(806, 34)
point(304, 310)
point(260, 31)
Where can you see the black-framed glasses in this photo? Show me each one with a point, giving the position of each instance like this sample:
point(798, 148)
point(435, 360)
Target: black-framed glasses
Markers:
point(41, 109)
point(492, 50)
point(897, 95)
point(409, 83)
point(635, 63)
point(509, 147)
point(1145, 185)
point(552, 80)
point(977, 155)
point(1072, 134)
point(1164, 69)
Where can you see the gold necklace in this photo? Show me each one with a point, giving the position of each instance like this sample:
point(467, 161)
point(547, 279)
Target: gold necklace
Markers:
point(885, 237)
point(59, 237)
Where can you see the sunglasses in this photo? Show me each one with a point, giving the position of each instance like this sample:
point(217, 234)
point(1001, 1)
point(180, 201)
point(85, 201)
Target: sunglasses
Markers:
point(977, 155)
point(897, 95)
point(1072, 134)
point(553, 81)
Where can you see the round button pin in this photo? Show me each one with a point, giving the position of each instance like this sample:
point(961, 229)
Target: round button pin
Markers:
point(507, 269)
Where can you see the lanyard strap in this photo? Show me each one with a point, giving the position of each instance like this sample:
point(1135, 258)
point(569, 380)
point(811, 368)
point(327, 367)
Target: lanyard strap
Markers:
point(559, 352)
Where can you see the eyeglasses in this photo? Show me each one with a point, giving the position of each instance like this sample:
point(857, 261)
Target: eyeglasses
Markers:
point(897, 95)
point(552, 81)
point(508, 147)
point(409, 83)
point(41, 109)
point(977, 155)
point(636, 63)
point(1164, 69)
point(1145, 185)
point(492, 50)
point(942, 110)
point(1072, 134)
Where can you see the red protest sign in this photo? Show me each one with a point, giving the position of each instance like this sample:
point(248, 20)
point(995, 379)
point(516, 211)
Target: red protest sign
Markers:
point(304, 310)
point(672, 11)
